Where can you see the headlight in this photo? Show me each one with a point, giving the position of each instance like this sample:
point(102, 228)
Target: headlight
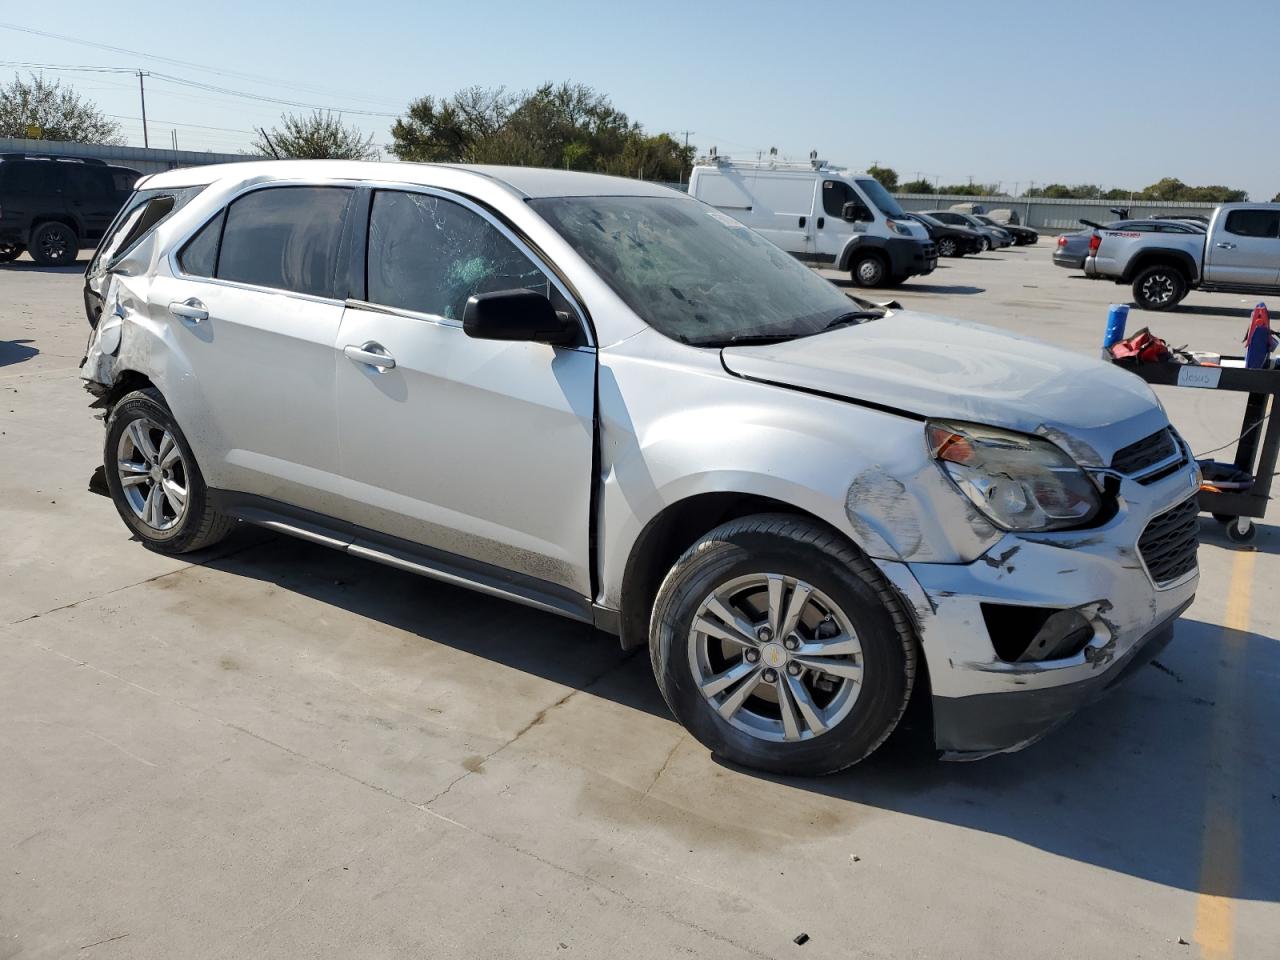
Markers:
point(897, 226)
point(1019, 482)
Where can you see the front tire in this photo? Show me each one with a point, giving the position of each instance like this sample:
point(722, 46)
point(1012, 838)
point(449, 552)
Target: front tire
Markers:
point(868, 270)
point(54, 245)
point(10, 252)
point(780, 647)
point(1159, 288)
point(154, 480)
point(986, 244)
point(947, 247)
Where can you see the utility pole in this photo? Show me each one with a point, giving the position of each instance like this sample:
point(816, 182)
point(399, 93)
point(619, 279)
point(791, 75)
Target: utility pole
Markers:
point(686, 150)
point(142, 95)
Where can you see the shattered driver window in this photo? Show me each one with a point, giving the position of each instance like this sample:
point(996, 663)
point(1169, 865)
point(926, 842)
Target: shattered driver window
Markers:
point(428, 255)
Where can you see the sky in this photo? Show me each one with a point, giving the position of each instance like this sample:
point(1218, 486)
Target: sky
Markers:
point(1117, 93)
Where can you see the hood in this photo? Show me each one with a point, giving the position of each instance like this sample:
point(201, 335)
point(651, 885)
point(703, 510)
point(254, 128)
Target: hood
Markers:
point(929, 366)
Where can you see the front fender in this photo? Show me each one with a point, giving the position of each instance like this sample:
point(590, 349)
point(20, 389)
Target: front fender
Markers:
point(669, 435)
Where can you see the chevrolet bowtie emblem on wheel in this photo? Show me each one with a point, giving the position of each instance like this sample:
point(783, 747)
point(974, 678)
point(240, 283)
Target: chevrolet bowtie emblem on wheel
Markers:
point(773, 655)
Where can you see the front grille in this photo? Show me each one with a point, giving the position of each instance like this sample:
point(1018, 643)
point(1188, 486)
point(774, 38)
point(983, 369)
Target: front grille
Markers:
point(1168, 545)
point(1146, 453)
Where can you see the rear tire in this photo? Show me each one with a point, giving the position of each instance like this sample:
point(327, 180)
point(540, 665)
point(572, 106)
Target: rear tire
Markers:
point(54, 245)
point(10, 252)
point(868, 270)
point(767, 710)
point(1161, 287)
point(154, 480)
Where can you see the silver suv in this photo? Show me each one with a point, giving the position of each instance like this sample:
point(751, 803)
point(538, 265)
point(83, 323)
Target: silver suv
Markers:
point(609, 401)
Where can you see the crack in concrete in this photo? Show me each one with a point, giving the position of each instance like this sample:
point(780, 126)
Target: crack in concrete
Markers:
point(663, 769)
point(138, 583)
point(540, 716)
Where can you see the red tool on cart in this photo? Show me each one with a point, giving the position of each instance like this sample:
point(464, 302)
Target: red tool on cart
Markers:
point(1235, 493)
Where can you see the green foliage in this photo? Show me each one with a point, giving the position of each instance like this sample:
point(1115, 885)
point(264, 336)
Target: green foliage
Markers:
point(916, 186)
point(887, 176)
point(1170, 188)
point(1276, 198)
point(58, 111)
point(569, 126)
point(320, 136)
point(971, 190)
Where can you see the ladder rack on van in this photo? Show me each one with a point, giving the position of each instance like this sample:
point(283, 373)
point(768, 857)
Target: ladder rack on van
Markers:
point(771, 164)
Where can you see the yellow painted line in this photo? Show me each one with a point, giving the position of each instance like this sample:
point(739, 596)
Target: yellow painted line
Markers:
point(1220, 845)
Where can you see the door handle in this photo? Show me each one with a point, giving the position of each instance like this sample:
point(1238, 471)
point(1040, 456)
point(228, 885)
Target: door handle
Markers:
point(1227, 246)
point(374, 354)
point(190, 310)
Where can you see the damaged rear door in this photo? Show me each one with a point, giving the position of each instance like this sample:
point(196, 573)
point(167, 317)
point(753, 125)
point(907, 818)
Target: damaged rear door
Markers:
point(252, 312)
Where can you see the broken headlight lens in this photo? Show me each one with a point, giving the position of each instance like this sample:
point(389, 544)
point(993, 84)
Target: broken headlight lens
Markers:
point(1019, 482)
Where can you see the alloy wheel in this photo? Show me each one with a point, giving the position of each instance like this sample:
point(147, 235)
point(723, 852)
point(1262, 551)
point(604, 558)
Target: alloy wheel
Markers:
point(1158, 288)
point(153, 474)
point(775, 657)
point(53, 244)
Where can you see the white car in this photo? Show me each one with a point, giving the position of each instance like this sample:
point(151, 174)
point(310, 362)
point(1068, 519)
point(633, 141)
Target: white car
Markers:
point(607, 400)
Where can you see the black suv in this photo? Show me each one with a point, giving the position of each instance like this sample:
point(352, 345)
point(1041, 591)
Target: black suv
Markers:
point(54, 206)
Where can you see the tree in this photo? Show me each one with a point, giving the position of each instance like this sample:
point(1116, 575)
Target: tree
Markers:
point(971, 190)
point(320, 136)
point(1171, 188)
point(1276, 198)
point(59, 113)
point(887, 176)
point(570, 126)
point(916, 186)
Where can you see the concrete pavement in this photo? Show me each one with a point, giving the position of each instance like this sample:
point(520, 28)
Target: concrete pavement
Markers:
point(281, 751)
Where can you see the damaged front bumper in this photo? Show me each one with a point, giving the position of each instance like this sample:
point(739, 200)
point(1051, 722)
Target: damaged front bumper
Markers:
point(1019, 640)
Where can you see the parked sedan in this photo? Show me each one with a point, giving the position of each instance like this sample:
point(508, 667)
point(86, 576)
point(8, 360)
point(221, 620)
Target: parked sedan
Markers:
point(950, 241)
point(1072, 248)
point(1022, 236)
point(992, 236)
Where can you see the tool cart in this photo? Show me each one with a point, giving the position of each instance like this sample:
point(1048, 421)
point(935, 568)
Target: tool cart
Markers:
point(1259, 440)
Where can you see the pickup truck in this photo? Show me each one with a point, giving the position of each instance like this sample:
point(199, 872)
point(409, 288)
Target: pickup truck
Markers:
point(1239, 253)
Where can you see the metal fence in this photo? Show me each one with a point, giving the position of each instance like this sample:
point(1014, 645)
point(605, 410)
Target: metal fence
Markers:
point(1056, 216)
point(138, 158)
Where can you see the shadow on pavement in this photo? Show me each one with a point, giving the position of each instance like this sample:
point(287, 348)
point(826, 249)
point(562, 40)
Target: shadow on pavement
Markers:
point(30, 266)
point(1125, 785)
point(16, 351)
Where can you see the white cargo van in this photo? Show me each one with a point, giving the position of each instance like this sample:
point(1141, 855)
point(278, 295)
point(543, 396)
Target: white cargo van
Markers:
point(820, 214)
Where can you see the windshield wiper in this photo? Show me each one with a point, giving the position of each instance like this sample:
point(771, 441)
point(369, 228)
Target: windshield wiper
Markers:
point(745, 338)
point(855, 316)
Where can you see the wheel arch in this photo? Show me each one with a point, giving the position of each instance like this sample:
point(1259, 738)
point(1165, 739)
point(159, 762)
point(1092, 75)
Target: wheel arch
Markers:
point(677, 527)
point(1179, 259)
point(860, 244)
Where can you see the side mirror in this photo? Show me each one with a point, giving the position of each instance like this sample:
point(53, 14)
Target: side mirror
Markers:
point(855, 210)
point(517, 315)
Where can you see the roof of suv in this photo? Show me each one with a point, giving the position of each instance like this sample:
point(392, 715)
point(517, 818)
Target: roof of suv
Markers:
point(523, 181)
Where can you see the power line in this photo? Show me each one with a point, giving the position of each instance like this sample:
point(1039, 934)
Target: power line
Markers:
point(208, 87)
point(220, 71)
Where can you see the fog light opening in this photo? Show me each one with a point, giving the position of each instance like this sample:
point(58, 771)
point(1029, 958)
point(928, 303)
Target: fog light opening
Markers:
point(1032, 634)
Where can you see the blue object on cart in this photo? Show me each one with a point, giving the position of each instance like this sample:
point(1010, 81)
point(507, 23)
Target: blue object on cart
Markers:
point(1117, 317)
point(1259, 341)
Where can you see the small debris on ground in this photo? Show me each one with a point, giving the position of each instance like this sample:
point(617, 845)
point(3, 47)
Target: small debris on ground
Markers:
point(854, 857)
point(1163, 669)
point(1183, 942)
point(802, 939)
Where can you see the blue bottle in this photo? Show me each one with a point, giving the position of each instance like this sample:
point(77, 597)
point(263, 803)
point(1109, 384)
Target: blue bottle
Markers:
point(1117, 317)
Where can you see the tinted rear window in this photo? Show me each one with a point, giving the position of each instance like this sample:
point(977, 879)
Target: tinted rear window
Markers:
point(90, 182)
point(286, 238)
point(1254, 223)
point(29, 177)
